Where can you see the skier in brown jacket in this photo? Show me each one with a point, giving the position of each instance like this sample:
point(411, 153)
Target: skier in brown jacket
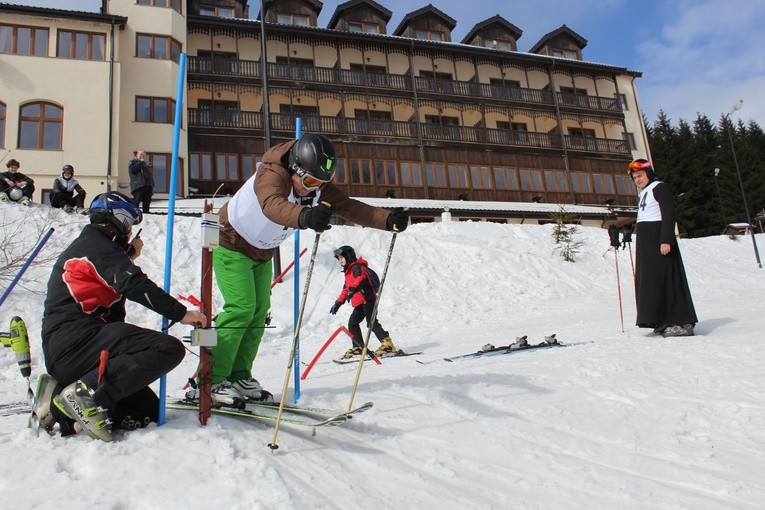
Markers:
point(290, 190)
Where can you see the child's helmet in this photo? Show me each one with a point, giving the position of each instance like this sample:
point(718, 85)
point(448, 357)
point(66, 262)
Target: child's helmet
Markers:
point(16, 194)
point(67, 169)
point(115, 209)
point(347, 252)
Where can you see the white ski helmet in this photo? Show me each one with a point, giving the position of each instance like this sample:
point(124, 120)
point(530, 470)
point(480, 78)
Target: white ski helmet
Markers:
point(16, 194)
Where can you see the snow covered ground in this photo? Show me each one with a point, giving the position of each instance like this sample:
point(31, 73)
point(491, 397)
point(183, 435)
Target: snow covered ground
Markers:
point(613, 420)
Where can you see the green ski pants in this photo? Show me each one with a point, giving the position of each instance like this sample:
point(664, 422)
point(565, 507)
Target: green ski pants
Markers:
point(246, 288)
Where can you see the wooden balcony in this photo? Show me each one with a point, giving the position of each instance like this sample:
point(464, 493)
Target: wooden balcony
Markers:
point(283, 125)
point(251, 69)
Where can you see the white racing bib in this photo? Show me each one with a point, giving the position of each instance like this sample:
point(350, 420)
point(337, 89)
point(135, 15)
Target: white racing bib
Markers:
point(248, 219)
point(648, 207)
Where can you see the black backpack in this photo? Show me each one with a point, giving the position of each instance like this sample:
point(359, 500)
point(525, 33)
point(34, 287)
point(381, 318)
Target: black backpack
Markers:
point(374, 279)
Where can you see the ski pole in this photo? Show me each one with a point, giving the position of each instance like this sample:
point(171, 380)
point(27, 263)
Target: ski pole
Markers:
point(273, 445)
point(613, 233)
point(26, 265)
point(627, 243)
point(372, 320)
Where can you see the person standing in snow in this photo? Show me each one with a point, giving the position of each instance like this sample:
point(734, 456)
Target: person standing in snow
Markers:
point(141, 180)
point(663, 297)
point(99, 366)
point(358, 289)
point(63, 194)
point(291, 189)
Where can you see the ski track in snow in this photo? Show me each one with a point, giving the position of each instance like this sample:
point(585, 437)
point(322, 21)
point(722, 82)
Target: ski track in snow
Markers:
point(611, 420)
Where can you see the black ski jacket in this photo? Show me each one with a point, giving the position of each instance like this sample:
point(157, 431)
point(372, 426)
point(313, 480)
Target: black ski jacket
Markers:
point(88, 287)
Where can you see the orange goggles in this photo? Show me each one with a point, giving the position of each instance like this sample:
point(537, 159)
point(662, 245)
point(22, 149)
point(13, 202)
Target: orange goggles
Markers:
point(639, 165)
point(308, 181)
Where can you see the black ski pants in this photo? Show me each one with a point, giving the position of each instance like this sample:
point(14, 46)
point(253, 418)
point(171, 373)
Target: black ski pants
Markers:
point(358, 314)
point(142, 197)
point(137, 357)
point(63, 198)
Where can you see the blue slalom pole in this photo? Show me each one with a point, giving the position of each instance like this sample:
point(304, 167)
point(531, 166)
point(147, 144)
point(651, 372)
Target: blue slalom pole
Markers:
point(298, 134)
point(26, 265)
point(171, 215)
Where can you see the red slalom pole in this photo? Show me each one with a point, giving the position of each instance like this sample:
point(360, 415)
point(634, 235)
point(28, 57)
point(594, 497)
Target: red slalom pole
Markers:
point(281, 275)
point(619, 286)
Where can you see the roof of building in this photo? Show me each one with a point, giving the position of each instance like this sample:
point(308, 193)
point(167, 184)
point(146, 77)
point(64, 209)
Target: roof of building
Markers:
point(63, 13)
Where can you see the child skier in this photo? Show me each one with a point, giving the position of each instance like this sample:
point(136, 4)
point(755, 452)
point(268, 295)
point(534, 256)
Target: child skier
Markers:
point(359, 290)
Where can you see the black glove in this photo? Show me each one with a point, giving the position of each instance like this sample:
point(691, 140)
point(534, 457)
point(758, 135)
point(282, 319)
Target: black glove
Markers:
point(398, 220)
point(350, 295)
point(627, 234)
point(613, 233)
point(335, 307)
point(316, 218)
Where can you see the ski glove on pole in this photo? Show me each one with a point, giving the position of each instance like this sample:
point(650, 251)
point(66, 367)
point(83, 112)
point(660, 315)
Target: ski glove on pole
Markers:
point(613, 233)
point(398, 220)
point(335, 307)
point(316, 218)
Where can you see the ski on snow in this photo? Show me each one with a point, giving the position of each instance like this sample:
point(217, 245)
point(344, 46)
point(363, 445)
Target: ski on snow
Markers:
point(395, 354)
point(12, 408)
point(293, 415)
point(520, 344)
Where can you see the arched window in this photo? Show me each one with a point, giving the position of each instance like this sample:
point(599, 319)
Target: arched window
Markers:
point(41, 126)
point(2, 124)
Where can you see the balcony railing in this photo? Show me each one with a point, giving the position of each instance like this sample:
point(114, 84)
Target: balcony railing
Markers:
point(392, 129)
point(375, 80)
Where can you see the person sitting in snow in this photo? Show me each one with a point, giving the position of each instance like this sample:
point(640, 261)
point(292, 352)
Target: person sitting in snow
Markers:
point(63, 194)
point(358, 289)
point(104, 364)
point(15, 186)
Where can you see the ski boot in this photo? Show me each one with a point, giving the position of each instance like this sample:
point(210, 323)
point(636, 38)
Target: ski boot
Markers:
point(42, 417)
point(519, 342)
point(251, 390)
point(224, 394)
point(386, 347)
point(76, 402)
point(352, 352)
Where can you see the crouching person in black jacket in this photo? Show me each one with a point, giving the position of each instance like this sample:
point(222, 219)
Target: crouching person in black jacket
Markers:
point(99, 366)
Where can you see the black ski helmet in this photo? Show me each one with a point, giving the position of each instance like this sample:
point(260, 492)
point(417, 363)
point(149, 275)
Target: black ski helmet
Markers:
point(114, 208)
point(65, 169)
point(642, 164)
point(347, 252)
point(315, 154)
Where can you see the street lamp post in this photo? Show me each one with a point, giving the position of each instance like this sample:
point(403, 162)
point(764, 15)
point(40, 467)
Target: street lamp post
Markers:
point(729, 127)
point(719, 198)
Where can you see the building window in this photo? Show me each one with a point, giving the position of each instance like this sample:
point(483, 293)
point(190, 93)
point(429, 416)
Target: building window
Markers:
point(580, 182)
point(435, 174)
point(625, 185)
point(173, 4)
point(24, 40)
point(603, 184)
point(498, 44)
point(429, 35)
point(154, 109)
point(630, 139)
point(385, 172)
point(217, 11)
point(531, 180)
point(2, 124)
point(564, 53)
point(226, 167)
point(160, 165)
point(555, 180)
point(200, 166)
point(505, 177)
point(41, 126)
point(410, 173)
point(250, 163)
point(159, 47)
point(458, 176)
point(480, 177)
point(81, 45)
point(340, 176)
point(622, 98)
point(300, 20)
point(361, 171)
point(363, 28)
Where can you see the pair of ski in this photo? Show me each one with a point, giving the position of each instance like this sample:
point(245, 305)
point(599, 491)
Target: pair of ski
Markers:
point(357, 358)
point(521, 344)
point(12, 408)
point(268, 411)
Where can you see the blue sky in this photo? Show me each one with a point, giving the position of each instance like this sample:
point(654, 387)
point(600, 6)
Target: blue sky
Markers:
point(695, 55)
